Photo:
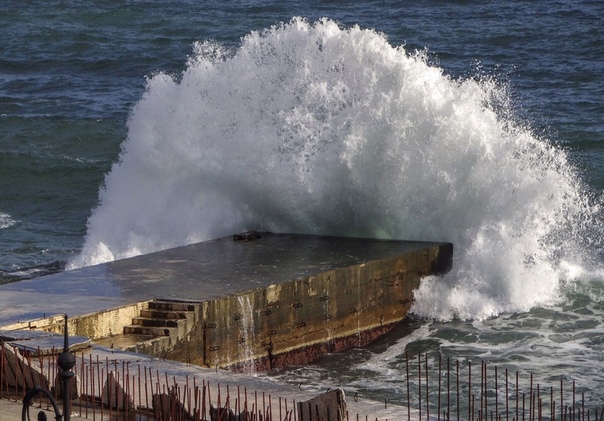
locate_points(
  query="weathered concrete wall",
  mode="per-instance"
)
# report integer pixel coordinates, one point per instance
(294, 322)
(94, 325)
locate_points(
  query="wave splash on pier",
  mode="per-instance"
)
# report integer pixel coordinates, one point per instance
(313, 128)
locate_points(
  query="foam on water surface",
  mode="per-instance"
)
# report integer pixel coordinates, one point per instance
(313, 128)
(6, 221)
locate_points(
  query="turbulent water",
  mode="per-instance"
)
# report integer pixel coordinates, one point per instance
(476, 125)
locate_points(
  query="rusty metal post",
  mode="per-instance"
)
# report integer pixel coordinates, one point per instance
(66, 362)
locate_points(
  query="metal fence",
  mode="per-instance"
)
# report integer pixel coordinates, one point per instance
(432, 389)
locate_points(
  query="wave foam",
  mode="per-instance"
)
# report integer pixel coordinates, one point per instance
(312, 128)
(6, 221)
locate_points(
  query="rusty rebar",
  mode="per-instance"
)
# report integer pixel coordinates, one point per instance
(457, 380)
(496, 395)
(507, 396)
(439, 383)
(448, 417)
(408, 392)
(427, 392)
(184, 399)
(419, 384)
(470, 409)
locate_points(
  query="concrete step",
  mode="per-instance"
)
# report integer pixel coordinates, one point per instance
(171, 305)
(148, 330)
(161, 318)
(164, 314)
(154, 322)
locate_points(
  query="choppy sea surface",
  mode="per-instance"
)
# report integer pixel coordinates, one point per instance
(132, 126)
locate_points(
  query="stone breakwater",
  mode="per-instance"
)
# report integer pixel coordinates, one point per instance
(248, 303)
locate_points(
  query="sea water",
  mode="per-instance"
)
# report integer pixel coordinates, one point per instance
(132, 127)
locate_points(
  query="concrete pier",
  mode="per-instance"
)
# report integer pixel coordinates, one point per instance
(246, 303)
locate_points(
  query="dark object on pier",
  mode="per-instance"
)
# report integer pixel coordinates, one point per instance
(247, 236)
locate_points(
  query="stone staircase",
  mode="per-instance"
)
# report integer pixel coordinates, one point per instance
(163, 318)
(158, 329)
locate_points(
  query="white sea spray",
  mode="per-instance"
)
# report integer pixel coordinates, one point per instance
(311, 128)
(6, 221)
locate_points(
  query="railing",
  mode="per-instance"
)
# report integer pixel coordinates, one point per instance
(124, 389)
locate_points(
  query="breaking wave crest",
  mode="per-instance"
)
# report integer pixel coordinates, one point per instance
(313, 128)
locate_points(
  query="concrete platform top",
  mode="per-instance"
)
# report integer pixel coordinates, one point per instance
(196, 272)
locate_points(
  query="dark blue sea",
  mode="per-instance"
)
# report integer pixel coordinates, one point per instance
(132, 126)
